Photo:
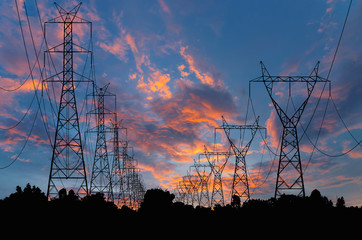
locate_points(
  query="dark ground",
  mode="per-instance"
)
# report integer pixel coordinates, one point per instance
(29, 209)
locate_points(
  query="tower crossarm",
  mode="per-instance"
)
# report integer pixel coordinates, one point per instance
(226, 127)
(311, 81)
(215, 166)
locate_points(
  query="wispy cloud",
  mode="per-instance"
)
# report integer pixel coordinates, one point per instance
(205, 77)
(164, 7)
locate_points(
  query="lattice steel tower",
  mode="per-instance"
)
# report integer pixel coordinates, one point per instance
(67, 164)
(240, 185)
(290, 172)
(204, 175)
(101, 179)
(217, 162)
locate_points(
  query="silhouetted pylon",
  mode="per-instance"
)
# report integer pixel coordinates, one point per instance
(67, 165)
(290, 173)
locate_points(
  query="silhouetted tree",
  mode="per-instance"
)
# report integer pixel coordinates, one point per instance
(340, 203)
(70, 196)
(62, 194)
(158, 204)
(258, 204)
(24, 202)
(235, 201)
(28, 195)
(315, 194)
(127, 211)
(98, 204)
(157, 200)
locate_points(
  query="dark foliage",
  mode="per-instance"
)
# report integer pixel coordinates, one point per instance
(159, 207)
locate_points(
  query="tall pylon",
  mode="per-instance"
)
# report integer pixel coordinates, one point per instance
(101, 179)
(67, 165)
(240, 185)
(204, 175)
(217, 161)
(290, 173)
(131, 186)
(116, 169)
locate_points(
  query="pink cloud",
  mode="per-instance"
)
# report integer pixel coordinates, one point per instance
(272, 128)
(164, 7)
(131, 42)
(290, 67)
(118, 48)
(204, 77)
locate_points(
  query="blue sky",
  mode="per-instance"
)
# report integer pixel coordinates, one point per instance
(177, 66)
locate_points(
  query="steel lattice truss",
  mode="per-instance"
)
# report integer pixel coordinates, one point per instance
(217, 161)
(67, 164)
(290, 172)
(101, 176)
(203, 173)
(130, 188)
(114, 171)
(240, 184)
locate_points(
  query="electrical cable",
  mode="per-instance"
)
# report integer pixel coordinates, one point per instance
(22, 118)
(35, 90)
(335, 106)
(264, 138)
(329, 72)
(339, 40)
(24, 145)
(250, 102)
(40, 71)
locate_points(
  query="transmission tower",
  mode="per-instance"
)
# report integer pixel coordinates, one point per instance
(180, 193)
(204, 175)
(101, 179)
(131, 191)
(240, 185)
(217, 161)
(290, 172)
(195, 186)
(189, 190)
(116, 164)
(67, 165)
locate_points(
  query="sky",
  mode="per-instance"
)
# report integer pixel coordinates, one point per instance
(176, 67)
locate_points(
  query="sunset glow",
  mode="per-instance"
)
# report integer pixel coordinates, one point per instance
(176, 67)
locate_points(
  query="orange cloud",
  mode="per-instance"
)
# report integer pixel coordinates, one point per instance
(156, 83)
(162, 171)
(176, 127)
(28, 86)
(181, 69)
(272, 129)
(205, 78)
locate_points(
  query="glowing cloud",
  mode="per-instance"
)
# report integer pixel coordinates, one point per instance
(156, 83)
(205, 78)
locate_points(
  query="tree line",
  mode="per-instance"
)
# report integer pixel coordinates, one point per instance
(31, 201)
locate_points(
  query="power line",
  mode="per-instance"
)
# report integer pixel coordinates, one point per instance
(319, 132)
(24, 145)
(339, 40)
(35, 96)
(330, 69)
(334, 104)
